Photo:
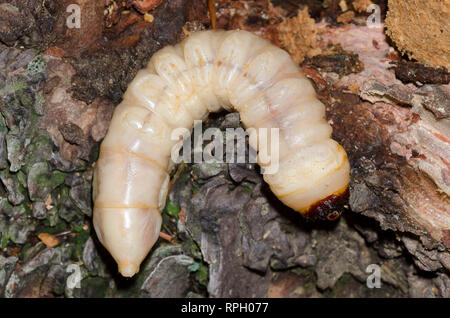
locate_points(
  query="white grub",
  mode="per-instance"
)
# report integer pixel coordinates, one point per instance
(208, 71)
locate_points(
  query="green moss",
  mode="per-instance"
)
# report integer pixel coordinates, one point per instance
(191, 248)
(248, 189)
(41, 181)
(3, 128)
(79, 242)
(67, 209)
(5, 206)
(55, 180)
(202, 274)
(195, 188)
(81, 195)
(172, 209)
(3, 154)
(22, 178)
(15, 149)
(13, 87)
(20, 229)
(59, 227)
(4, 239)
(52, 217)
(39, 103)
(16, 191)
(29, 251)
(26, 208)
(77, 228)
(39, 150)
(185, 175)
(25, 99)
(24, 250)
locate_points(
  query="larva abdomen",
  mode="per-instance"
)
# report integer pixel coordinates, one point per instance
(208, 71)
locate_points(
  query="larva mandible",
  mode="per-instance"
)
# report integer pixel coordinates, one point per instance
(208, 71)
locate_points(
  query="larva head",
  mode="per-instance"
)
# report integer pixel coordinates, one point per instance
(314, 181)
(333, 192)
(329, 208)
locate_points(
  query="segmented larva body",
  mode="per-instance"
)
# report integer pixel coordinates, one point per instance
(210, 70)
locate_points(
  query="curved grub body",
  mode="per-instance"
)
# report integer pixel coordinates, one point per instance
(206, 72)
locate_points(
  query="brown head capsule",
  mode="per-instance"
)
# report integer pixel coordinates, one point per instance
(329, 208)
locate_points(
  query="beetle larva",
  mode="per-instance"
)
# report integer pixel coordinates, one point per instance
(208, 71)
